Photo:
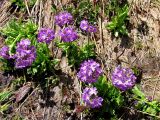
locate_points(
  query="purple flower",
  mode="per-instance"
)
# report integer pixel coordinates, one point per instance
(89, 71)
(63, 18)
(25, 54)
(46, 35)
(68, 34)
(84, 25)
(4, 52)
(123, 78)
(91, 29)
(90, 98)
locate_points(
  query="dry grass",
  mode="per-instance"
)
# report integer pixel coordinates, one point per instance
(141, 48)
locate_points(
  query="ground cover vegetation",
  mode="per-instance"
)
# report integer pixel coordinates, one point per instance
(59, 66)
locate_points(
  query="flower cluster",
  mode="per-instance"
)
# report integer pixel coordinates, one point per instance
(90, 98)
(68, 34)
(46, 35)
(123, 78)
(91, 29)
(63, 18)
(84, 25)
(89, 71)
(4, 52)
(25, 54)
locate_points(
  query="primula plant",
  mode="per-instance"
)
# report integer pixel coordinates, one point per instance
(68, 34)
(89, 71)
(25, 49)
(29, 55)
(85, 26)
(4, 52)
(90, 98)
(69, 39)
(113, 98)
(46, 35)
(123, 78)
(145, 104)
(63, 18)
(77, 54)
(118, 21)
(25, 54)
(84, 8)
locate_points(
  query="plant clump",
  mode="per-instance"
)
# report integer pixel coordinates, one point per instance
(25, 54)
(85, 26)
(90, 98)
(46, 35)
(89, 71)
(63, 18)
(4, 52)
(68, 34)
(123, 78)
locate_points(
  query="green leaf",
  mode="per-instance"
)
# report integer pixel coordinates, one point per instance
(138, 93)
(117, 23)
(151, 110)
(5, 95)
(83, 5)
(111, 95)
(4, 107)
(75, 53)
(54, 8)
(55, 61)
(101, 84)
